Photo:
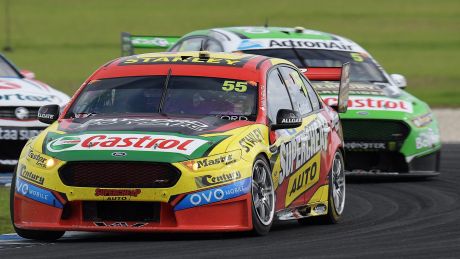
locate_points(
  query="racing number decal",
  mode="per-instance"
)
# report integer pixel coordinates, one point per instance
(357, 57)
(239, 86)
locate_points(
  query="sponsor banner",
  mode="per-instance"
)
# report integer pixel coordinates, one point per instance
(120, 224)
(332, 88)
(37, 194)
(303, 179)
(183, 123)
(117, 194)
(35, 178)
(39, 160)
(299, 43)
(254, 137)
(373, 103)
(29, 98)
(131, 142)
(152, 59)
(224, 159)
(427, 139)
(210, 180)
(209, 196)
(366, 145)
(304, 146)
(17, 133)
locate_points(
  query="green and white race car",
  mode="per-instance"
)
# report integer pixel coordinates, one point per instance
(387, 131)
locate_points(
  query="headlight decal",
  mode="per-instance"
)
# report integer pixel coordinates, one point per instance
(423, 120)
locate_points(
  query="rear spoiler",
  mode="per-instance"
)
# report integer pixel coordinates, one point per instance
(341, 74)
(131, 42)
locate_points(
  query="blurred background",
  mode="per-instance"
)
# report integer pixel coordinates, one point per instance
(63, 42)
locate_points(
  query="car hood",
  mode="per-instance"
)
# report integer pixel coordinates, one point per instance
(373, 101)
(27, 92)
(158, 139)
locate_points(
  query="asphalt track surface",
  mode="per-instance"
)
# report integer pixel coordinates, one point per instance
(402, 218)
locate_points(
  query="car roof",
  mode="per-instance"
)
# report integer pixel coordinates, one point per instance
(192, 63)
(259, 37)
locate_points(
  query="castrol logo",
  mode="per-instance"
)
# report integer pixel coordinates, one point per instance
(373, 103)
(131, 142)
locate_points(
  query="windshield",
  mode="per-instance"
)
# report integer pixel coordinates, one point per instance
(6, 70)
(184, 95)
(363, 69)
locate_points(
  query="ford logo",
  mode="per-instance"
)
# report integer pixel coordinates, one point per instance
(119, 154)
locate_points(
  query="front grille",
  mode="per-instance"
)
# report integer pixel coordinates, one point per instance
(384, 161)
(119, 174)
(8, 112)
(374, 130)
(121, 211)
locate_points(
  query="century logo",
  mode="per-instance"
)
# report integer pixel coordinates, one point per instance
(32, 177)
(208, 180)
(132, 142)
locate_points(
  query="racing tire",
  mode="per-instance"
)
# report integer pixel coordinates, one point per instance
(336, 196)
(41, 235)
(262, 196)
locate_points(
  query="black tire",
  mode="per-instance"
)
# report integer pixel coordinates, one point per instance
(264, 197)
(41, 235)
(334, 213)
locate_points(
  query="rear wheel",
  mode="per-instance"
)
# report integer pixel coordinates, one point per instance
(42, 235)
(263, 197)
(336, 196)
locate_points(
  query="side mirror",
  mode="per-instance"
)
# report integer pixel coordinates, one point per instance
(287, 119)
(48, 113)
(27, 74)
(399, 80)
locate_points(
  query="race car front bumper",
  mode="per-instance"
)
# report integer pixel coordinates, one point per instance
(394, 164)
(125, 216)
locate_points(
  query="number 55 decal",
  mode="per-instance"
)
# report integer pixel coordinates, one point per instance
(239, 86)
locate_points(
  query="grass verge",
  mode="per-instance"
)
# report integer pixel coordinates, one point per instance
(5, 223)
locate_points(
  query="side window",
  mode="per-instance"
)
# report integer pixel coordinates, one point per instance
(312, 94)
(213, 46)
(195, 43)
(191, 44)
(277, 95)
(296, 88)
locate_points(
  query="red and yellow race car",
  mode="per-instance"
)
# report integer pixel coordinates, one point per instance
(187, 141)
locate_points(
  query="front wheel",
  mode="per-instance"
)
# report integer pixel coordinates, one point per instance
(263, 197)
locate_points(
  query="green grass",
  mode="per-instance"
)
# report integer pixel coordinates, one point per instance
(65, 41)
(5, 223)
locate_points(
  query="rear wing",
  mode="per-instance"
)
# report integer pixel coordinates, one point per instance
(131, 42)
(341, 74)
